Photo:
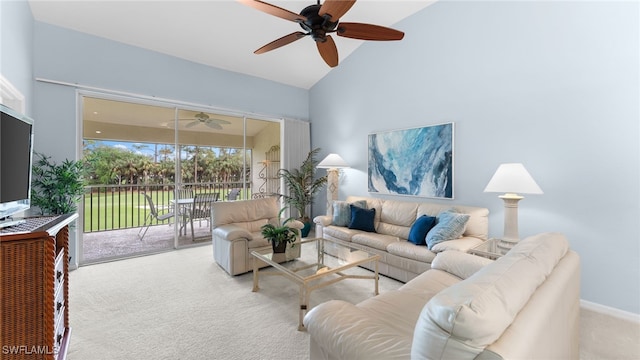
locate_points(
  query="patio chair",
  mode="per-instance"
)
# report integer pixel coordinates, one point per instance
(183, 211)
(201, 209)
(153, 214)
(233, 194)
(185, 193)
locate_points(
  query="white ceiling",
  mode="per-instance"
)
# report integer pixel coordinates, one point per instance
(222, 33)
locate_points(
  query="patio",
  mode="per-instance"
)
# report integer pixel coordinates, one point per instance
(113, 244)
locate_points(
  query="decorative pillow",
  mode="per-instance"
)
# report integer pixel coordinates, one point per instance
(450, 225)
(420, 228)
(342, 211)
(362, 219)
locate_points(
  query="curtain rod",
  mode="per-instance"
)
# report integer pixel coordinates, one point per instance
(165, 100)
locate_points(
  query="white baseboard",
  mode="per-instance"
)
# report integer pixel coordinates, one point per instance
(606, 310)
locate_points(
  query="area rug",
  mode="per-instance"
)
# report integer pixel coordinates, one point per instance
(182, 305)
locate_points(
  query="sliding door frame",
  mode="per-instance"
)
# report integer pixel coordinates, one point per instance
(177, 106)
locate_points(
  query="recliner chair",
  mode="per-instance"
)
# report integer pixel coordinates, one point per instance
(236, 231)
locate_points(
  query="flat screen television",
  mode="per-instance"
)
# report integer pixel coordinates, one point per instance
(16, 154)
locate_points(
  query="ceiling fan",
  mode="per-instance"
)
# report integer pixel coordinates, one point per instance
(319, 21)
(202, 118)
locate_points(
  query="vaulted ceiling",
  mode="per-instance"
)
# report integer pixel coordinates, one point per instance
(222, 33)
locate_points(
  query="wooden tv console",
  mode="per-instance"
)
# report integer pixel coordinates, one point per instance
(34, 289)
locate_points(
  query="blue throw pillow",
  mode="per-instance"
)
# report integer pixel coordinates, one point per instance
(420, 228)
(342, 212)
(450, 225)
(362, 219)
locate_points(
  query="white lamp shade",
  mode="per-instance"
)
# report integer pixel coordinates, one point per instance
(333, 161)
(512, 178)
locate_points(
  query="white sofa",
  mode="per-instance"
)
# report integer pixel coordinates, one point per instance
(236, 231)
(401, 259)
(525, 305)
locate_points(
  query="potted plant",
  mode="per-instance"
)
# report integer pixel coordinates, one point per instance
(56, 188)
(303, 186)
(280, 234)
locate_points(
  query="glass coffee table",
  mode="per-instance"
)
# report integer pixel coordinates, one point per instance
(316, 271)
(490, 249)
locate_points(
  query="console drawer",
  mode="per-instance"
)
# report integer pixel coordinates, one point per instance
(58, 271)
(58, 310)
(59, 332)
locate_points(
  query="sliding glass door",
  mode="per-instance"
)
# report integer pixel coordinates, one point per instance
(153, 168)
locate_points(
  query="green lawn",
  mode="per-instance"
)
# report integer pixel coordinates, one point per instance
(121, 210)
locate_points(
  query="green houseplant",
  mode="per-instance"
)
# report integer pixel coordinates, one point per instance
(279, 234)
(56, 188)
(303, 186)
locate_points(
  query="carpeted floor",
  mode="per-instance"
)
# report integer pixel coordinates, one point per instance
(181, 305)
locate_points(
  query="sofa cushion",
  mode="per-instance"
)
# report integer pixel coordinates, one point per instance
(339, 232)
(462, 320)
(342, 211)
(376, 241)
(396, 218)
(420, 228)
(478, 224)
(362, 219)
(450, 225)
(411, 251)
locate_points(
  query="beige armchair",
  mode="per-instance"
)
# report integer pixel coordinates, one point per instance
(236, 231)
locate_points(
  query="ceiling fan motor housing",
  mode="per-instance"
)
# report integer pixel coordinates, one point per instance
(318, 26)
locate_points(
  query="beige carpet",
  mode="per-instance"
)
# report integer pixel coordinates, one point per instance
(181, 305)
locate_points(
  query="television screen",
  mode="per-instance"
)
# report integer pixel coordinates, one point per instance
(16, 147)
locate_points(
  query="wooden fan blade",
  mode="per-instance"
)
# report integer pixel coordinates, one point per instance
(328, 51)
(192, 124)
(335, 8)
(287, 39)
(220, 121)
(274, 10)
(368, 32)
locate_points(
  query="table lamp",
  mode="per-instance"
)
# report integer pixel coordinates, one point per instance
(333, 162)
(511, 179)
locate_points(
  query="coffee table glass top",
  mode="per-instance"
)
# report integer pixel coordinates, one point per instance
(314, 261)
(314, 269)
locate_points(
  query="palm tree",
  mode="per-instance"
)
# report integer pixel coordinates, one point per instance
(303, 186)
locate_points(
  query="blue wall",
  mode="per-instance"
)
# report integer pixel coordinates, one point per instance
(554, 85)
(16, 54)
(72, 57)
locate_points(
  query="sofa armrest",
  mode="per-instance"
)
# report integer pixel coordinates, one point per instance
(296, 224)
(324, 220)
(231, 232)
(458, 263)
(462, 244)
(345, 331)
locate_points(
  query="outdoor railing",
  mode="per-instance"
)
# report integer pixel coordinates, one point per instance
(113, 207)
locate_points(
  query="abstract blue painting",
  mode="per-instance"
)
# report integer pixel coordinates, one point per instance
(415, 162)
